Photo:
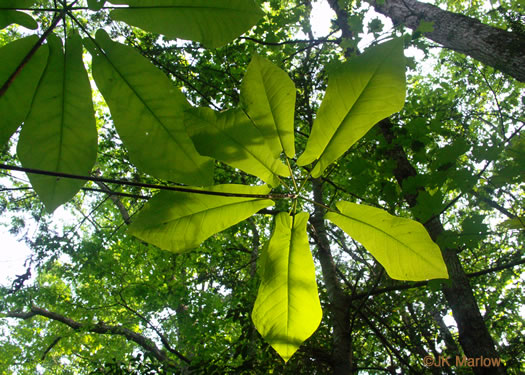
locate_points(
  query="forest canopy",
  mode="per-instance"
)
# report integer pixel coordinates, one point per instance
(215, 187)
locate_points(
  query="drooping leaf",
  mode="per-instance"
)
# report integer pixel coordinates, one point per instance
(8, 17)
(401, 245)
(268, 97)
(147, 110)
(213, 23)
(232, 138)
(16, 101)
(360, 92)
(180, 221)
(287, 310)
(60, 133)
(96, 4)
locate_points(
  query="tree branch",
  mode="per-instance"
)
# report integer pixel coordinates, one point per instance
(144, 185)
(100, 328)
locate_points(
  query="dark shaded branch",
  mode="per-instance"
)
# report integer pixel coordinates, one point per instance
(55, 341)
(405, 286)
(123, 210)
(493, 204)
(144, 185)
(100, 328)
(163, 338)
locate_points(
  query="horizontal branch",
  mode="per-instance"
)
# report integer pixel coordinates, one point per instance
(419, 284)
(100, 328)
(144, 185)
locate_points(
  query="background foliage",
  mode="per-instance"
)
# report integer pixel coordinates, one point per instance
(122, 306)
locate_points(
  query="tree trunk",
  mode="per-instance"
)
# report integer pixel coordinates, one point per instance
(474, 336)
(503, 50)
(339, 307)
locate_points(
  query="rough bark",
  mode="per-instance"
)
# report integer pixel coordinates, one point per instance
(474, 336)
(341, 357)
(495, 47)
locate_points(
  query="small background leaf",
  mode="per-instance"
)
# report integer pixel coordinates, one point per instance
(96, 4)
(213, 23)
(401, 245)
(287, 310)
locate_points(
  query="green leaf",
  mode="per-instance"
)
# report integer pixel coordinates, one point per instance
(287, 310)
(180, 221)
(515, 223)
(213, 23)
(360, 92)
(16, 101)
(148, 111)
(401, 245)
(232, 138)
(268, 97)
(60, 132)
(96, 4)
(425, 27)
(8, 17)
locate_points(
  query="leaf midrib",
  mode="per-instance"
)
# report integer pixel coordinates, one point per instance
(388, 235)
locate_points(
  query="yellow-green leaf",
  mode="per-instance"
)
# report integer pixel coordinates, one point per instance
(402, 246)
(360, 92)
(16, 101)
(232, 138)
(148, 111)
(180, 221)
(268, 97)
(287, 310)
(213, 23)
(60, 133)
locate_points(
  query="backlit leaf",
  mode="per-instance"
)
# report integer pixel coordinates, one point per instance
(147, 110)
(232, 138)
(287, 310)
(8, 17)
(16, 101)
(96, 4)
(59, 133)
(213, 23)
(360, 92)
(401, 245)
(180, 221)
(268, 97)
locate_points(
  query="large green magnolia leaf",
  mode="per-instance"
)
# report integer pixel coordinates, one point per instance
(96, 4)
(16, 101)
(360, 92)
(214, 23)
(180, 221)
(8, 17)
(287, 309)
(60, 132)
(148, 110)
(232, 138)
(401, 245)
(268, 97)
